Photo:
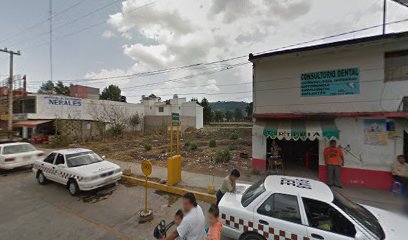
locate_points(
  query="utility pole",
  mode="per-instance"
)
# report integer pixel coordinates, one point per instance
(51, 65)
(384, 16)
(10, 87)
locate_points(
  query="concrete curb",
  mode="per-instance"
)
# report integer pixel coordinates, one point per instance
(170, 189)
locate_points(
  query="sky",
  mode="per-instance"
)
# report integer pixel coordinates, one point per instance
(102, 42)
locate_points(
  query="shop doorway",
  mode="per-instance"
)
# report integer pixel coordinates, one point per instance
(301, 158)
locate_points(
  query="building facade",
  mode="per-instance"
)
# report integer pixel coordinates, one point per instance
(157, 113)
(354, 91)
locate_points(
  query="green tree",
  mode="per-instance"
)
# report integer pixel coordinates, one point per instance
(238, 115)
(249, 109)
(219, 116)
(206, 110)
(229, 115)
(46, 87)
(112, 92)
(61, 89)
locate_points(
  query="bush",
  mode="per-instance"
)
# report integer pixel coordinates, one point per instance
(222, 156)
(212, 143)
(187, 144)
(234, 136)
(231, 147)
(193, 147)
(147, 147)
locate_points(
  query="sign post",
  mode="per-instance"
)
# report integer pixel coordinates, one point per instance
(174, 162)
(146, 214)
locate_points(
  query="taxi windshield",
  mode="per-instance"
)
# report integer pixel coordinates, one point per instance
(359, 214)
(253, 192)
(83, 158)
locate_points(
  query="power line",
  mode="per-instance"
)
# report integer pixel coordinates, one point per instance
(160, 71)
(31, 27)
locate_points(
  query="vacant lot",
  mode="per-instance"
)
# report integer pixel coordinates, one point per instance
(230, 148)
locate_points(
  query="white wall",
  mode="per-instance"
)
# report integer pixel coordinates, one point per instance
(277, 81)
(52, 107)
(372, 157)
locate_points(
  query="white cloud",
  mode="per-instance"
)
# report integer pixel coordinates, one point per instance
(212, 86)
(175, 33)
(108, 34)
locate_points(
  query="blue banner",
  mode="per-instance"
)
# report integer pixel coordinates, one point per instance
(330, 83)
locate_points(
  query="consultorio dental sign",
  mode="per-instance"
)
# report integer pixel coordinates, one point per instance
(64, 101)
(330, 83)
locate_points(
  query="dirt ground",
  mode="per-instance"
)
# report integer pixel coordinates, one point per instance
(131, 147)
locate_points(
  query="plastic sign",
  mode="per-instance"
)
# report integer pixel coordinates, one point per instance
(330, 83)
(146, 167)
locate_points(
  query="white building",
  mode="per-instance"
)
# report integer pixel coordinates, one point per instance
(157, 113)
(354, 91)
(36, 113)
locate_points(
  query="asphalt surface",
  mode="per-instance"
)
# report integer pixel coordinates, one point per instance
(33, 211)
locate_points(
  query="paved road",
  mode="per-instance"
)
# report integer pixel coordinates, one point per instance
(31, 211)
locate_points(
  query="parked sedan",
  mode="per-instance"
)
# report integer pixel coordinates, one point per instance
(19, 154)
(78, 169)
(282, 207)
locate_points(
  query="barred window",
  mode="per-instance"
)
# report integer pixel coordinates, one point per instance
(396, 66)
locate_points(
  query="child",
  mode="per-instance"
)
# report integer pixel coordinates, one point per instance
(214, 232)
(178, 217)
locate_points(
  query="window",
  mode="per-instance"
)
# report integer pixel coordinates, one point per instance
(281, 206)
(325, 217)
(22, 148)
(253, 192)
(396, 66)
(83, 158)
(359, 214)
(161, 109)
(50, 158)
(60, 160)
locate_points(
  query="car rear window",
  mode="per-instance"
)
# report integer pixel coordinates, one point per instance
(253, 192)
(13, 149)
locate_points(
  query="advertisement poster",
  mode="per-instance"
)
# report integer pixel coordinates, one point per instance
(330, 83)
(375, 132)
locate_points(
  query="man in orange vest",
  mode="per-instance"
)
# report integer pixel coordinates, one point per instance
(334, 158)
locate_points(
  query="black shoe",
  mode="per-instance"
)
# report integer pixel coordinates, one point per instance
(339, 186)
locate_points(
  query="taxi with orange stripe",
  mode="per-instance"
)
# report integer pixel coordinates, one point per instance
(283, 207)
(78, 169)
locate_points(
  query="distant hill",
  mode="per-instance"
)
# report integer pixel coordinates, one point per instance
(230, 105)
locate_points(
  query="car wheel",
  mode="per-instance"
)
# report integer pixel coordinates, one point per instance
(73, 188)
(251, 236)
(41, 178)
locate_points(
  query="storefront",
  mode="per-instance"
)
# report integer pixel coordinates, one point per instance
(354, 91)
(369, 142)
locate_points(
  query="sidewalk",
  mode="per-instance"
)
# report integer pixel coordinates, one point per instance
(200, 182)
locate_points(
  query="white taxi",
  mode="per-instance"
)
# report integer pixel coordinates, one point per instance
(18, 154)
(282, 207)
(79, 169)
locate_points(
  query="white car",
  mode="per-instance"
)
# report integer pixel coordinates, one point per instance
(19, 154)
(281, 207)
(79, 169)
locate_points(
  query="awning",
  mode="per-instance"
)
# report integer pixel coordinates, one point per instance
(300, 129)
(30, 123)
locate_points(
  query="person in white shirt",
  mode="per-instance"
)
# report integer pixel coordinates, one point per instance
(193, 224)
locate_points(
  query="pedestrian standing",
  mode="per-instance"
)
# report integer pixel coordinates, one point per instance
(192, 227)
(228, 185)
(334, 158)
(400, 171)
